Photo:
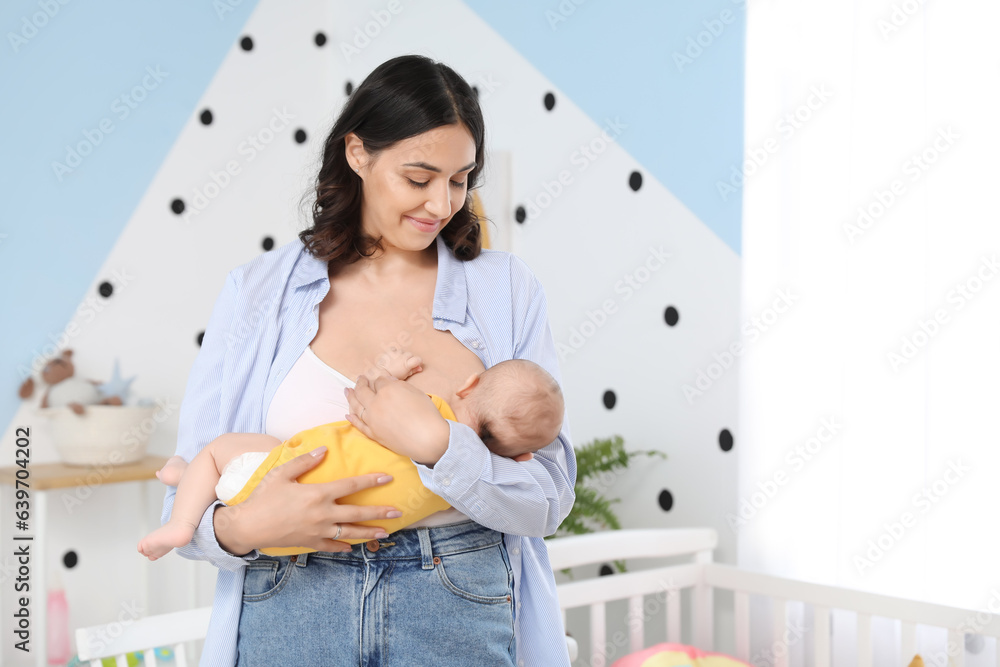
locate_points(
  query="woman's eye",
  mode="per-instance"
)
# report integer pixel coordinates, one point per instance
(423, 184)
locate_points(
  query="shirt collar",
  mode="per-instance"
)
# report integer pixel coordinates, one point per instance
(450, 295)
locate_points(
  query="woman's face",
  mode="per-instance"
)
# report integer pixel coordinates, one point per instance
(412, 190)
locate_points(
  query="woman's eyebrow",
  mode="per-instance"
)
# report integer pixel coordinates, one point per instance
(424, 165)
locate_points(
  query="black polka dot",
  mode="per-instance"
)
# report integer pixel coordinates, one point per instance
(300, 136)
(635, 181)
(348, 87)
(206, 117)
(268, 243)
(246, 44)
(475, 89)
(550, 101)
(725, 440)
(666, 500)
(70, 559)
(320, 39)
(670, 316)
(177, 206)
(519, 214)
(605, 570)
(201, 337)
(105, 289)
(609, 399)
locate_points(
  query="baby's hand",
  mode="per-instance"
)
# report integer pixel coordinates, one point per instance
(397, 362)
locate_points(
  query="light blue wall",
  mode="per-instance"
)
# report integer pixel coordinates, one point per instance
(630, 59)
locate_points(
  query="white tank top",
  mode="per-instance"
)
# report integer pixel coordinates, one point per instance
(312, 394)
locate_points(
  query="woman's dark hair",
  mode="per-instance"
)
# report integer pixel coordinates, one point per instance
(401, 98)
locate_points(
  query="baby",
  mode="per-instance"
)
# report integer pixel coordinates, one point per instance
(515, 406)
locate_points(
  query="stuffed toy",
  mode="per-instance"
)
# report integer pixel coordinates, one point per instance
(65, 390)
(677, 655)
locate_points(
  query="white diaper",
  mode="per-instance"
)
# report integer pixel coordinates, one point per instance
(237, 473)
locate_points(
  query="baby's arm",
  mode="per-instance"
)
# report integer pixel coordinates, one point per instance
(196, 489)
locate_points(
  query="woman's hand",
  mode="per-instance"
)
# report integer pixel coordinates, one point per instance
(400, 417)
(281, 512)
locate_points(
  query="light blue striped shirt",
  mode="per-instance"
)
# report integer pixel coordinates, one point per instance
(261, 323)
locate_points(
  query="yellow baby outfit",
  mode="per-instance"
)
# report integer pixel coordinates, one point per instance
(350, 453)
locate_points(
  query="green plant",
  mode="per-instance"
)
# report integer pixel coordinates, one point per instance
(592, 511)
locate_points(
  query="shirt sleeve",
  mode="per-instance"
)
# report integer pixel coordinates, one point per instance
(529, 498)
(200, 423)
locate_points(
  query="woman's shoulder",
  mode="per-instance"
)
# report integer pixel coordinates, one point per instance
(270, 268)
(493, 264)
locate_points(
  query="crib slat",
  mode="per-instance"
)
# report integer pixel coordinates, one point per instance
(907, 643)
(821, 621)
(95, 663)
(702, 610)
(674, 618)
(742, 608)
(121, 660)
(597, 632)
(179, 655)
(635, 623)
(864, 640)
(780, 624)
(956, 638)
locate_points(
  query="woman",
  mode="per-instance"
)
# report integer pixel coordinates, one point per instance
(393, 258)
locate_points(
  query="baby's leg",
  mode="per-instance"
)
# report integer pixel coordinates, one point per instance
(196, 490)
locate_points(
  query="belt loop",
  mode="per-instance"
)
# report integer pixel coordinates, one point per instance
(426, 555)
(302, 559)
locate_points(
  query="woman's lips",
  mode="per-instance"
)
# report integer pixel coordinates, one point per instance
(423, 224)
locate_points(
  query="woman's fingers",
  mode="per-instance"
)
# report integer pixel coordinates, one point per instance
(361, 426)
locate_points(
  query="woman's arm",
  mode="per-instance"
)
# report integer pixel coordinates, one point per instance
(529, 498)
(199, 424)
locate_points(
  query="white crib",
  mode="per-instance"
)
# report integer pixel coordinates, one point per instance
(702, 577)
(697, 573)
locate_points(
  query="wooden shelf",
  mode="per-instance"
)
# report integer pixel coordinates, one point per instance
(61, 475)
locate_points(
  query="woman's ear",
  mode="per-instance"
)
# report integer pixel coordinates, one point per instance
(468, 386)
(354, 151)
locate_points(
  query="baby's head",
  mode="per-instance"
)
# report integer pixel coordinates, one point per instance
(516, 407)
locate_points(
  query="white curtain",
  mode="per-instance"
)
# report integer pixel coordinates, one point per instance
(869, 440)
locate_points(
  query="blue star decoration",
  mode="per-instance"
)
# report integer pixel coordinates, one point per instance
(116, 386)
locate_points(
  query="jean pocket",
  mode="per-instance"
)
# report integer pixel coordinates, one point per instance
(265, 576)
(482, 575)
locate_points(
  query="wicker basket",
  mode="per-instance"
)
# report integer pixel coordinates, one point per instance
(104, 434)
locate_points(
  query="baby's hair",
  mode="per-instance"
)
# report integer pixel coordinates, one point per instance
(519, 398)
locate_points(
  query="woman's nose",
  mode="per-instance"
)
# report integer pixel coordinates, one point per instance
(439, 203)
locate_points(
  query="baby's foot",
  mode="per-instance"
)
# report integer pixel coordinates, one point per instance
(171, 472)
(165, 538)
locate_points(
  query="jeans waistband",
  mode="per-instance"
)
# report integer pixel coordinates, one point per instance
(422, 543)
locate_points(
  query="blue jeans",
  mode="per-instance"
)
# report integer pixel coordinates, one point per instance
(439, 595)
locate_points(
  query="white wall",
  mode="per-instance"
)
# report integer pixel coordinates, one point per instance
(902, 125)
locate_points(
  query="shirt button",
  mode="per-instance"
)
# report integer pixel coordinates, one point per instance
(475, 344)
(520, 663)
(445, 481)
(515, 550)
(519, 606)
